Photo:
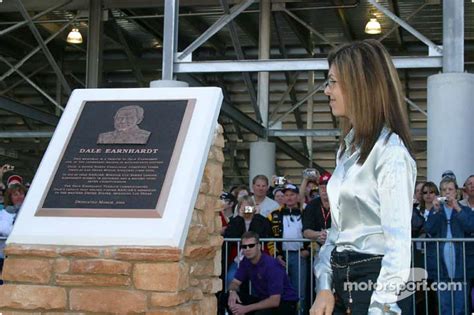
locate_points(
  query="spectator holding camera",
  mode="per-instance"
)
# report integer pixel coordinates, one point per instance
(448, 219)
(248, 219)
(308, 184)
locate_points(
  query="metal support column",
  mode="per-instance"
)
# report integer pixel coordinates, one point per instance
(453, 36)
(309, 116)
(94, 45)
(450, 109)
(450, 129)
(170, 38)
(262, 153)
(264, 53)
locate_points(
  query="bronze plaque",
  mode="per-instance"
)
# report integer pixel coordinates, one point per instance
(119, 160)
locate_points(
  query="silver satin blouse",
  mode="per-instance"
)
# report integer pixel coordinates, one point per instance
(371, 208)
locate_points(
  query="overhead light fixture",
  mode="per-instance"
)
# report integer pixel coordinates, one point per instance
(373, 26)
(74, 37)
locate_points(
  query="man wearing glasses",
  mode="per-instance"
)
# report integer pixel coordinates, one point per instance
(272, 292)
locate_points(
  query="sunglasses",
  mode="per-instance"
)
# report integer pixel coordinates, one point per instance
(428, 192)
(247, 246)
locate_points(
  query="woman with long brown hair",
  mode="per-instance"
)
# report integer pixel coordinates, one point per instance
(366, 258)
(14, 197)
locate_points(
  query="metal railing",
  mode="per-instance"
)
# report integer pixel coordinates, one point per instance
(425, 299)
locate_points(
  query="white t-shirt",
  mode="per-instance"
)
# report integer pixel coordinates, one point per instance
(267, 206)
(292, 228)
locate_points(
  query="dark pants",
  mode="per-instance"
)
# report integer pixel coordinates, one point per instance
(285, 307)
(1, 269)
(365, 272)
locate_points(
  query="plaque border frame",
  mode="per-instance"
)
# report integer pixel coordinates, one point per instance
(157, 212)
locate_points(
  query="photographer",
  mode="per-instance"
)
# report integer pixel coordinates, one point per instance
(248, 219)
(448, 219)
(308, 184)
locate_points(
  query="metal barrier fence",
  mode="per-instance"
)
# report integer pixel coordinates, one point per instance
(427, 294)
(426, 298)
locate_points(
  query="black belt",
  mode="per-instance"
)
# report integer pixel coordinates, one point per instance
(350, 258)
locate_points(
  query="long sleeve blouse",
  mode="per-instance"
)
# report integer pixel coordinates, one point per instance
(371, 209)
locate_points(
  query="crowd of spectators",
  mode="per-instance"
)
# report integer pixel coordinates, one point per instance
(284, 210)
(281, 209)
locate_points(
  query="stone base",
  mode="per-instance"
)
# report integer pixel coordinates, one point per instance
(116, 280)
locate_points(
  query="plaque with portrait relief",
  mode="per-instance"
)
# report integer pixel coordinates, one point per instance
(124, 166)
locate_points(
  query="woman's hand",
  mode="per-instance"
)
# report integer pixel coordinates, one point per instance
(453, 203)
(324, 304)
(436, 205)
(257, 209)
(322, 236)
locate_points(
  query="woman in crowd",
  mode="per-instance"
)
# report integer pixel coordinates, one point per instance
(430, 192)
(13, 199)
(239, 192)
(446, 260)
(279, 196)
(248, 219)
(371, 189)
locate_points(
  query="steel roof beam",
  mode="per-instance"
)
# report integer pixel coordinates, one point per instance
(28, 111)
(323, 132)
(289, 83)
(406, 26)
(397, 26)
(34, 51)
(217, 26)
(19, 24)
(240, 56)
(130, 55)
(43, 46)
(26, 134)
(34, 85)
(348, 32)
(309, 27)
(305, 64)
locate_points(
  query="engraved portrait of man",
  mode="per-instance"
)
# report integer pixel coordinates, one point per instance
(126, 121)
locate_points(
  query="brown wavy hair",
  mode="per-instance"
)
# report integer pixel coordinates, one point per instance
(7, 199)
(431, 187)
(372, 93)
